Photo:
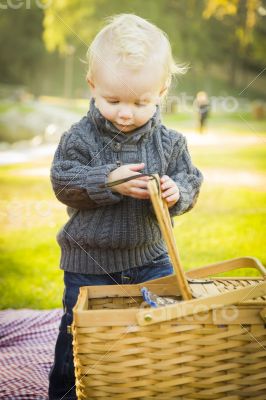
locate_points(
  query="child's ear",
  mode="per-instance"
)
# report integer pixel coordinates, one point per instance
(90, 83)
(163, 91)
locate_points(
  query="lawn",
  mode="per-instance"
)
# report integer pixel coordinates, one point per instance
(236, 123)
(228, 221)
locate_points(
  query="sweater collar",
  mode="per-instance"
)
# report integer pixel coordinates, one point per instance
(107, 129)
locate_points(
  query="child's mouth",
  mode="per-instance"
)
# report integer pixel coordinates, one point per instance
(119, 126)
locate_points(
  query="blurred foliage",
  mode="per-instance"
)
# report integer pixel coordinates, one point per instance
(24, 57)
(229, 33)
(21, 44)
(191, 25)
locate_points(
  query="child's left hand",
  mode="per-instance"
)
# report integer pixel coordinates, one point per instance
(170, 190)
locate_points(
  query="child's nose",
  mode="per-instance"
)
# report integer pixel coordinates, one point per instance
(125, 113)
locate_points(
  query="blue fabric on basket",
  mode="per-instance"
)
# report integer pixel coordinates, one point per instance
(154, 300)
(147, 297)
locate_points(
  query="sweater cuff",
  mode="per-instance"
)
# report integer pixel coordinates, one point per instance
(101, 196)
(183, 204)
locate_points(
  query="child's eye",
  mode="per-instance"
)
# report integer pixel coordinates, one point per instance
(113, 101)
(140, 104)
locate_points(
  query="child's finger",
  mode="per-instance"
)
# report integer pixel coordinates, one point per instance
(136, 167)
(168, 184)
(138, 193)
(138, 183)
(144, 178)
(169, 192)
(164, 178)
(172, 198)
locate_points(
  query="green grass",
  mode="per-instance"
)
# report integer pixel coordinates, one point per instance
(29, 272)
(29, 255)
(228, 221)
(251, 159)
(225, 123)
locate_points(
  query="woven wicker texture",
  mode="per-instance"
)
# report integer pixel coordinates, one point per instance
(170, 360)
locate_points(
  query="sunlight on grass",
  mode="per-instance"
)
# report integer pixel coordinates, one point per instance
(246, 158)
(227, 222)
(29, 256)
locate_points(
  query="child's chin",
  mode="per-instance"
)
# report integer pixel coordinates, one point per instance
(125, 128)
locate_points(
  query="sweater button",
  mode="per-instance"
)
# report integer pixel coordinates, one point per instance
(116, 146)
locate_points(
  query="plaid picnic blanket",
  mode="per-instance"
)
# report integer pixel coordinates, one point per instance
(27, 340)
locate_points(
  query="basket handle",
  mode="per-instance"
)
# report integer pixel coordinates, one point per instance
(164, 220)
(228, 265)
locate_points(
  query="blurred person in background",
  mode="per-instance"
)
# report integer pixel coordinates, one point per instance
(203, 108)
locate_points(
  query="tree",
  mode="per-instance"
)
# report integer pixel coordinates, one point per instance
(243, 21)
(21, 44)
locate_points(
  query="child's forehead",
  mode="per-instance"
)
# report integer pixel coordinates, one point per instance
(129, 95)
(126, 82)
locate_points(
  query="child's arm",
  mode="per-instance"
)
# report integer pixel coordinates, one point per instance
(76, 183)
(187, 178)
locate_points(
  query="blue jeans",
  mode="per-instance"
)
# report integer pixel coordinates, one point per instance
(61, 377)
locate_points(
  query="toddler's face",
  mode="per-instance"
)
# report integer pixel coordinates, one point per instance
(125, 97)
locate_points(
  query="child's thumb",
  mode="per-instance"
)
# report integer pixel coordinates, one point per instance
(137, 167)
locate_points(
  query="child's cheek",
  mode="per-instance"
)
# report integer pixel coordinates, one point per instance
(109, 114)
(148, 112)
(106, 110)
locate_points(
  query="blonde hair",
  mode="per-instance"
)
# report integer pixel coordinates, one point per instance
(134, 41)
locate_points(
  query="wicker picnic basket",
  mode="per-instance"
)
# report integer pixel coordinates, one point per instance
(211, 344)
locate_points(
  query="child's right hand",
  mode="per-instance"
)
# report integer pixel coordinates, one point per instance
(136, 188)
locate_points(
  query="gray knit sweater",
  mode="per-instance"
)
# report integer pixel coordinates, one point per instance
(108, 232)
